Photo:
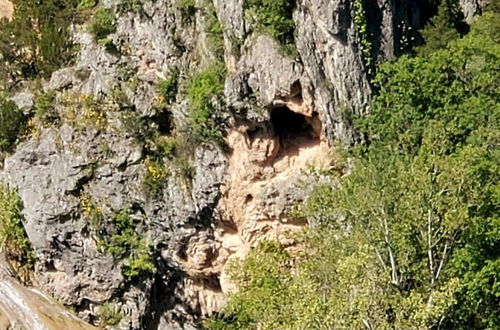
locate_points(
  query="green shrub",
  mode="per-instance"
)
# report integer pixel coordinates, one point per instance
(273, 17)
(206, 84)
(204, 92)
(177, 152)
(168, 87)
(12, 233)
(87, 4)
(109, 314)
(108, 45)
(38, 40)
(119, 96)
(139, 262)
(166, 146)
(136, 126)
(121, 239)
(494, 6)
(187, 9)
(44, 108)
(263, 279)
(102, 24)
(11, 122)
(457, 86)
(155, 176)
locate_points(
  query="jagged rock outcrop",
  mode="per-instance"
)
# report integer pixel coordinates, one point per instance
(279, 116)
(471, 8)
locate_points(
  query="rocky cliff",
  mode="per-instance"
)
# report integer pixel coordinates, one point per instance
(191, 209)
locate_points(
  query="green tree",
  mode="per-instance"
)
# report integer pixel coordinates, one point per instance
(11, 122)
(37, 41)
(13, 238)
(409, 239)
(273, 17)
(446, 26)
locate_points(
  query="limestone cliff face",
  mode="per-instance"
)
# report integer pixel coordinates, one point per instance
(279, 116)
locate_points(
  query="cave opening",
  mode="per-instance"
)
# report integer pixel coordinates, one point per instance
(293, 129)
(164, 122)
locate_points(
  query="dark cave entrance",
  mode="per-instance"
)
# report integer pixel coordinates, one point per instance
(288, 123)
(164, 122)
(294, 130)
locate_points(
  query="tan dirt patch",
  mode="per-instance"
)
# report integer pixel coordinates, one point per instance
(6, 9)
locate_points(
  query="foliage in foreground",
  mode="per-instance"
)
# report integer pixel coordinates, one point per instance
(410, 239)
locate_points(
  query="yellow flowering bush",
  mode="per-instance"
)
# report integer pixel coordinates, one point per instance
(155, 175)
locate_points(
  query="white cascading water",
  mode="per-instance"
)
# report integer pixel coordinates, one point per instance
(28, 308)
